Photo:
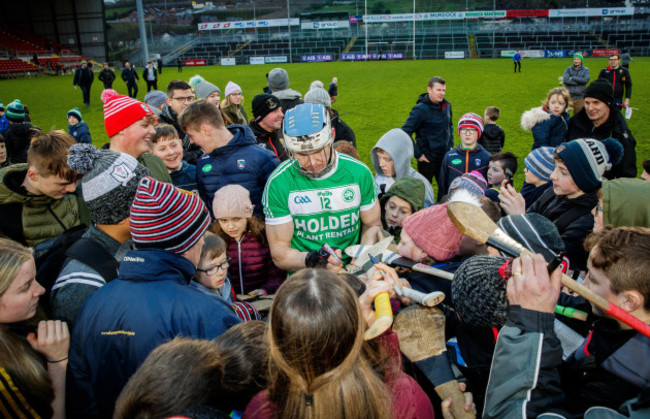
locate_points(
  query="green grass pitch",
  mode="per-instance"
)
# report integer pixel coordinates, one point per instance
(373, 96)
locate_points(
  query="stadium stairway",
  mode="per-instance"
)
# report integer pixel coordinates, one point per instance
(471, 40)
(350, 44)
(239, 48)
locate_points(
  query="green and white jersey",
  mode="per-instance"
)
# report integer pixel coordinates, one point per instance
(325, 210)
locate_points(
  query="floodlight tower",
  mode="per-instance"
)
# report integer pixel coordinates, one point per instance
(143, 33)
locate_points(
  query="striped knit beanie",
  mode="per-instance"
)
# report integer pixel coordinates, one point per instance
(76, 112)
(535, 232)
(121, 111)
(109, 183)
(163, 217)
(432, 231)
(471, 120)
(15, 111)
(540, 162)
(472, 181)
(587, 160)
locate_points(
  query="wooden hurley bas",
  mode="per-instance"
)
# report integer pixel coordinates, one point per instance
(474, 223)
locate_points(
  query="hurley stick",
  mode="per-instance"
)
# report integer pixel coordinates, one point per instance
(392, 258)
(474, 223)
(421, 334)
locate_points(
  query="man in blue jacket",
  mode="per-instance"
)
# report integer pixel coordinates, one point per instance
(430, 120)
(232, 155)
(150, 302)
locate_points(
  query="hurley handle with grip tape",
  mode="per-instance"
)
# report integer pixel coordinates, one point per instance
(602, 303)
(383, 317)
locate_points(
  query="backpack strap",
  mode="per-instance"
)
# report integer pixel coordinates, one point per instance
(97, 257)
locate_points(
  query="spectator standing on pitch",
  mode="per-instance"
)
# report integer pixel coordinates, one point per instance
(316, 197)
(19, 133)
(179, 97)
(550, 121)
(494, 136)
(108, 188)
(267, 124)
(625, 59)
(150, 302)
(78, 128)
(150, 76)
(342, 131)
(160, 65)
(279, 84)
(129, 75)
(106, 76)
(619, 78)
(517, 60)
(179, 64)
(333, 89)
(232, 155)
(430, 120)
(601, 119)
(129, 126)
(83, 77)
(575, 79)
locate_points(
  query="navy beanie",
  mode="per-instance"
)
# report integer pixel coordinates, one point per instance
(587, 160)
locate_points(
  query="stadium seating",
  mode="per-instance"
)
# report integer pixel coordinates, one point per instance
(15, 66)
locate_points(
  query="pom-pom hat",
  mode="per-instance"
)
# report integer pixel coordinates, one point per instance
(15, 111)
(471, 120)
(472, 181)
(232, 201)
(76, 113)
(121, 111)
(109, 183)
(202, 87)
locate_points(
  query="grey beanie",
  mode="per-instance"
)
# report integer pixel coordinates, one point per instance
(278, 79)
(202, 87)
(320, 96)
(155, 98)
(109, 183)
(478, 292)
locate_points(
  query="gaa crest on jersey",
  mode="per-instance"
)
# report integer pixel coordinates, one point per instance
(477, 162)
(241, 164)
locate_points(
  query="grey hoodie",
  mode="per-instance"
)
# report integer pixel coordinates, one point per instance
(399, 146)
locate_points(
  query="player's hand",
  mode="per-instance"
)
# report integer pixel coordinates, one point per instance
(423, 158)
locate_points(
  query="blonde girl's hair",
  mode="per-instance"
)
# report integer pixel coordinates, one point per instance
(24, 365)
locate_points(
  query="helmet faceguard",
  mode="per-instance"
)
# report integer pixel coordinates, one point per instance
(307, 129)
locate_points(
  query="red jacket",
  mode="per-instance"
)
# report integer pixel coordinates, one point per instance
(252, 266)
(409, 400)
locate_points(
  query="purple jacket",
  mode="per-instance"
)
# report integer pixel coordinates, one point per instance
(252, 267)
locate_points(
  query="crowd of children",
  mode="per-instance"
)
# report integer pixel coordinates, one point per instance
(154, 309)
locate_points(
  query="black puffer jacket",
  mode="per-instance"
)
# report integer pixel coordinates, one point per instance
(573, 219)
(343, 130)
(17, 140)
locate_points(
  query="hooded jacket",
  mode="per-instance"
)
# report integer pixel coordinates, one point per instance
(289, 98)
(580, 126)
(80, 132)
(269, 140)
(575, 79)
(459, 161)
(548, 129)
(626, 202)
(31, 219)
(433, 128)
(400, 148)
(122, 322)
(573, 220)
(18, 137)
(240, 162)
(185, 177)
(409, 189)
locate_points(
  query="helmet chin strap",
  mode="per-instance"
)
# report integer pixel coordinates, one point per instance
(326, 169)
